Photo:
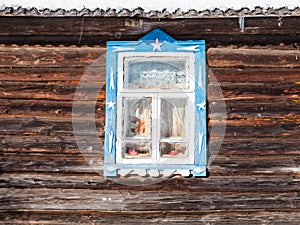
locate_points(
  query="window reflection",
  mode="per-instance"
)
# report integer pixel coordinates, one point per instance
(173, 117)
(137, 117)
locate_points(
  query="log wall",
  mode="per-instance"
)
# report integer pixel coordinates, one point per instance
(86, 30)
(254, 179)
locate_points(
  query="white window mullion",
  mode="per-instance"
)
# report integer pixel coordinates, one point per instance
(157, 126)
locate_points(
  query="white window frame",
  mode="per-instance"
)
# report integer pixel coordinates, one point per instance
(156, 94)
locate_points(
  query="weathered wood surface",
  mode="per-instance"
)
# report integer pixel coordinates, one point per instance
(97, 30)
(259, 183)
(44, 178)
(122, 200)
(224, 57)
(212, 217)
(287, 165)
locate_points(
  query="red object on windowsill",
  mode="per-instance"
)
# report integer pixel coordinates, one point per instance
(174, 152)
(132, 152)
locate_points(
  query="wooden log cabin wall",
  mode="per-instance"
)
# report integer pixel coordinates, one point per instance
(255, 177)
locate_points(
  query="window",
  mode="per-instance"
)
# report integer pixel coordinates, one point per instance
(155, 107)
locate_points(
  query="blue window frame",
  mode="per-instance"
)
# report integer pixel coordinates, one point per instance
(155, 107)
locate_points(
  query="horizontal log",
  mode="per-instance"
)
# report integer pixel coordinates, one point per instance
(65, 90)
(49, 126)
(97, 30)
(260, 75)
(259, 183)
(68, 57)
(60, 91)
(69, 145)
(224, 57)
(255, 75)
(73, 199)
(229, 95)
(212, 40)
(255, 108)
(258, 128)
(52, 56)
(287, 146)
(50, 108)
(257, 165)
(255, 217)
(255, 88)
(50, 144)
(243, 127)
(98, 25)
(236, 129)
(52, 164)
(69, 74)
(235, 165)
(263, 108)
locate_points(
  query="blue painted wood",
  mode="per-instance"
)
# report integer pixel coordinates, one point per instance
(159, 34)
(156, 41)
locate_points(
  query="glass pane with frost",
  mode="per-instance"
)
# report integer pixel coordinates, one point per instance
(155, 72)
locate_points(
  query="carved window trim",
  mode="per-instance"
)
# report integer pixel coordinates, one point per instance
(156, 44)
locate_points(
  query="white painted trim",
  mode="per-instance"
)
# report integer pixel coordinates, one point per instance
(200, 83)
(190, 68)
(111, 79)
(156, 95)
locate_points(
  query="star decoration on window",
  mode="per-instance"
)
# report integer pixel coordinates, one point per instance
(111, 105)
(201, 105)
(156, 45)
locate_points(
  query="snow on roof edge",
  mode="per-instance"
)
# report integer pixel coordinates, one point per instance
(139, 12)
(146, 5)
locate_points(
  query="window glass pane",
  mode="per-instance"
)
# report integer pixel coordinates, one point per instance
(155, 72)
(137, 117)
(136, 150)
(173, 118)
(169, 149)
